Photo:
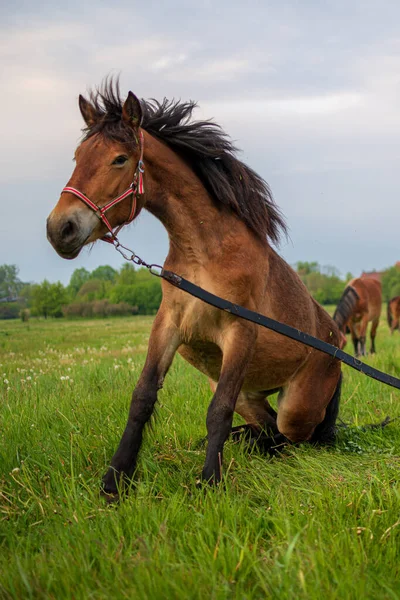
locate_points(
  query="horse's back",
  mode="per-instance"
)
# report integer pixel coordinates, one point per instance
(369, 291)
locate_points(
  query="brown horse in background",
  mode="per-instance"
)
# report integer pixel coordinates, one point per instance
(361, 302)
(393, 313)
(221, 220)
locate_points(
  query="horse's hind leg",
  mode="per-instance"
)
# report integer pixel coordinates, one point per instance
(374, 327)
(259, 415)
(325, 432)
(308, 406)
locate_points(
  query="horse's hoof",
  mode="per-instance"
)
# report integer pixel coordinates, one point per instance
(109, 490)
(109, 497)
(247, 431)
(112, 486)
(206, 480)
(201, 484)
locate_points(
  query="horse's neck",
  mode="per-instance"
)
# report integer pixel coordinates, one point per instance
(174, 194)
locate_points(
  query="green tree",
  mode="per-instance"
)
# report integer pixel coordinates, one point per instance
(305, 268)
(26, 293)
(326, 287)
(93, 289)
(391, 283)
(127, 275)
(78, 278)
(148, 296)
(123, 293)
(10, 284)
(47, 299)
(104, 273)
(137, 288)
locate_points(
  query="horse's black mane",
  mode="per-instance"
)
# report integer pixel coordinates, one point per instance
(203, 144)
(345, 307)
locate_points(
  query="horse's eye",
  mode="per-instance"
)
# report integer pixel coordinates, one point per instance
(120, 160)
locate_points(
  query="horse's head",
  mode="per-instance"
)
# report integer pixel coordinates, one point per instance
(108, 162)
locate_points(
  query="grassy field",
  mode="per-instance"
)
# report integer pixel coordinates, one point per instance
(309, 524)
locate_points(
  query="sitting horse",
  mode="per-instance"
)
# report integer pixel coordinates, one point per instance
(393, 313)
(361, 302)
(221, 220)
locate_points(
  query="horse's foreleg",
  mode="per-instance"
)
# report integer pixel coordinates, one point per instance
(374, 327)
(238, 348)
(163, 343)
(363, 334)
(354, 338)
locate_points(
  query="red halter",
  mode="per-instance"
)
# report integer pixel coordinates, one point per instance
(136, 189)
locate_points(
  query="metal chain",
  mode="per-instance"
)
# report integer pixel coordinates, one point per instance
(130, 255)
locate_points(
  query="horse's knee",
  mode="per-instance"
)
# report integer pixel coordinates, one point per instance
(298, 425)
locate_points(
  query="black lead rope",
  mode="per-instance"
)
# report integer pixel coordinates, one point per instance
(281, 328)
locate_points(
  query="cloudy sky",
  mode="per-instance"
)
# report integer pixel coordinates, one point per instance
(309, 90)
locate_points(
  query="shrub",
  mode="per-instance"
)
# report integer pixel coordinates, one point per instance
(24, 314)
(98, 308)
(9, 310)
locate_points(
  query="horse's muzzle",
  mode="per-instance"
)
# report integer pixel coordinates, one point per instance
(67, 235)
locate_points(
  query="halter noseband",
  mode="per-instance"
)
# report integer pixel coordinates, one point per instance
(136, 189)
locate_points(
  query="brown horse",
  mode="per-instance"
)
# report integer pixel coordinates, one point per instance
(220, 218)
(393, 313)
(361, 302)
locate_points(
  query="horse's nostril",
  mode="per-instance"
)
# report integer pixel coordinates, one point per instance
(68, 230)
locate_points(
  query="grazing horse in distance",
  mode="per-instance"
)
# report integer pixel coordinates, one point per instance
(393, 313)
(361, 302)
(221, 222)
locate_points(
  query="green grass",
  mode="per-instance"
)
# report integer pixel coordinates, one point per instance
(310, 524)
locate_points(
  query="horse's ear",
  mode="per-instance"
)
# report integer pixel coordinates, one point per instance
(132, 111)
(88, 111)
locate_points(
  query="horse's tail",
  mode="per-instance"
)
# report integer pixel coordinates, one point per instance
(345, 307)
(389, 313)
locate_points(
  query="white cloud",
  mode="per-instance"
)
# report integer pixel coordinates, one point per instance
(226, 69)
(169, 61)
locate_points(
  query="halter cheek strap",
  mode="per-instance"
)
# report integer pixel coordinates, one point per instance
(136, 189)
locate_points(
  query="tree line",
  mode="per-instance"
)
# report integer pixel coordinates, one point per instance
(106, 291)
